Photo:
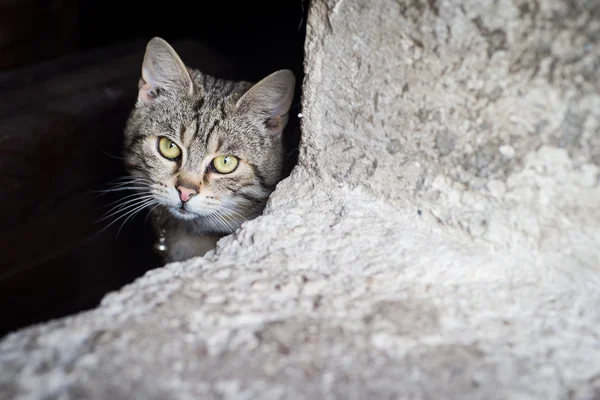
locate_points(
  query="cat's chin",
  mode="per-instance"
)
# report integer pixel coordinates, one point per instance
(183, 214)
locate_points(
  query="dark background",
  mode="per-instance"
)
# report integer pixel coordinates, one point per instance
(68, 77)
(261, 36)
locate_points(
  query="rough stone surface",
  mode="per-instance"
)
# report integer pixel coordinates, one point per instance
(440, 237)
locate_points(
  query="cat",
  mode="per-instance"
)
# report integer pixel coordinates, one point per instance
(203, 153)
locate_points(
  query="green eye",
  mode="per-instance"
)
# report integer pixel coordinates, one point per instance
(225, 164)
(168, 148)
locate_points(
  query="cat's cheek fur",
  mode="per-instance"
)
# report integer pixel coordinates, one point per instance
(171, 197)
(183, 215)
(200, 206)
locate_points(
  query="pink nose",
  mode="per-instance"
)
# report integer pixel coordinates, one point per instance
(185, 194)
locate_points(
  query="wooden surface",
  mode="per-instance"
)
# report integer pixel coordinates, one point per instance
(61, 126)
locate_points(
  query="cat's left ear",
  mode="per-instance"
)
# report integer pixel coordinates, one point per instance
(162, 70)
(271, 99)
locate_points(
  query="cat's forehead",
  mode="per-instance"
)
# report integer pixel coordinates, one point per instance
(212, 93)
(212, 98)
(175, 115)
(213, 108)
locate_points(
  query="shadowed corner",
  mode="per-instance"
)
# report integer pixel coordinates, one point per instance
(293, 132)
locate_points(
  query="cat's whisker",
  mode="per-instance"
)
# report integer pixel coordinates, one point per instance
(132, 178)
(133, 214)
(129, 214)
(218, 222)
(113, 156)
(234, 212)
(125, 206)
(227, 224)
(121, 187)
(150, 212)
(130, 188)
(133, 210)
(131, 182)
(231, 223)
(127, 197)
(212, 219)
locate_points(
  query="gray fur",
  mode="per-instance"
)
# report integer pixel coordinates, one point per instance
(205, 116)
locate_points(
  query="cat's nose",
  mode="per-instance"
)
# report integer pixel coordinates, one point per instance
(185, 194)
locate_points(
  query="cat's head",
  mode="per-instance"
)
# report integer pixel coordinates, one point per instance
(204, 148)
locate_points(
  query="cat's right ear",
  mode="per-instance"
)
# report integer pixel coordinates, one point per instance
(162, 70)
(271, 99)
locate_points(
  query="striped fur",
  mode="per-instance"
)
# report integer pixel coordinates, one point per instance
(205, 117)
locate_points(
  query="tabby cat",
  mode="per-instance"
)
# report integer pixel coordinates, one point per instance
(203, 153)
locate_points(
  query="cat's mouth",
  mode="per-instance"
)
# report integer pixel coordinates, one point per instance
(183, 212)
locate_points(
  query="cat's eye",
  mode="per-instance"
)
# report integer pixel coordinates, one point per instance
(168, 148)
(225, 164)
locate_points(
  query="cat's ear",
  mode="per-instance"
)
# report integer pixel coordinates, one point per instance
(270, 99)
(162, 70)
